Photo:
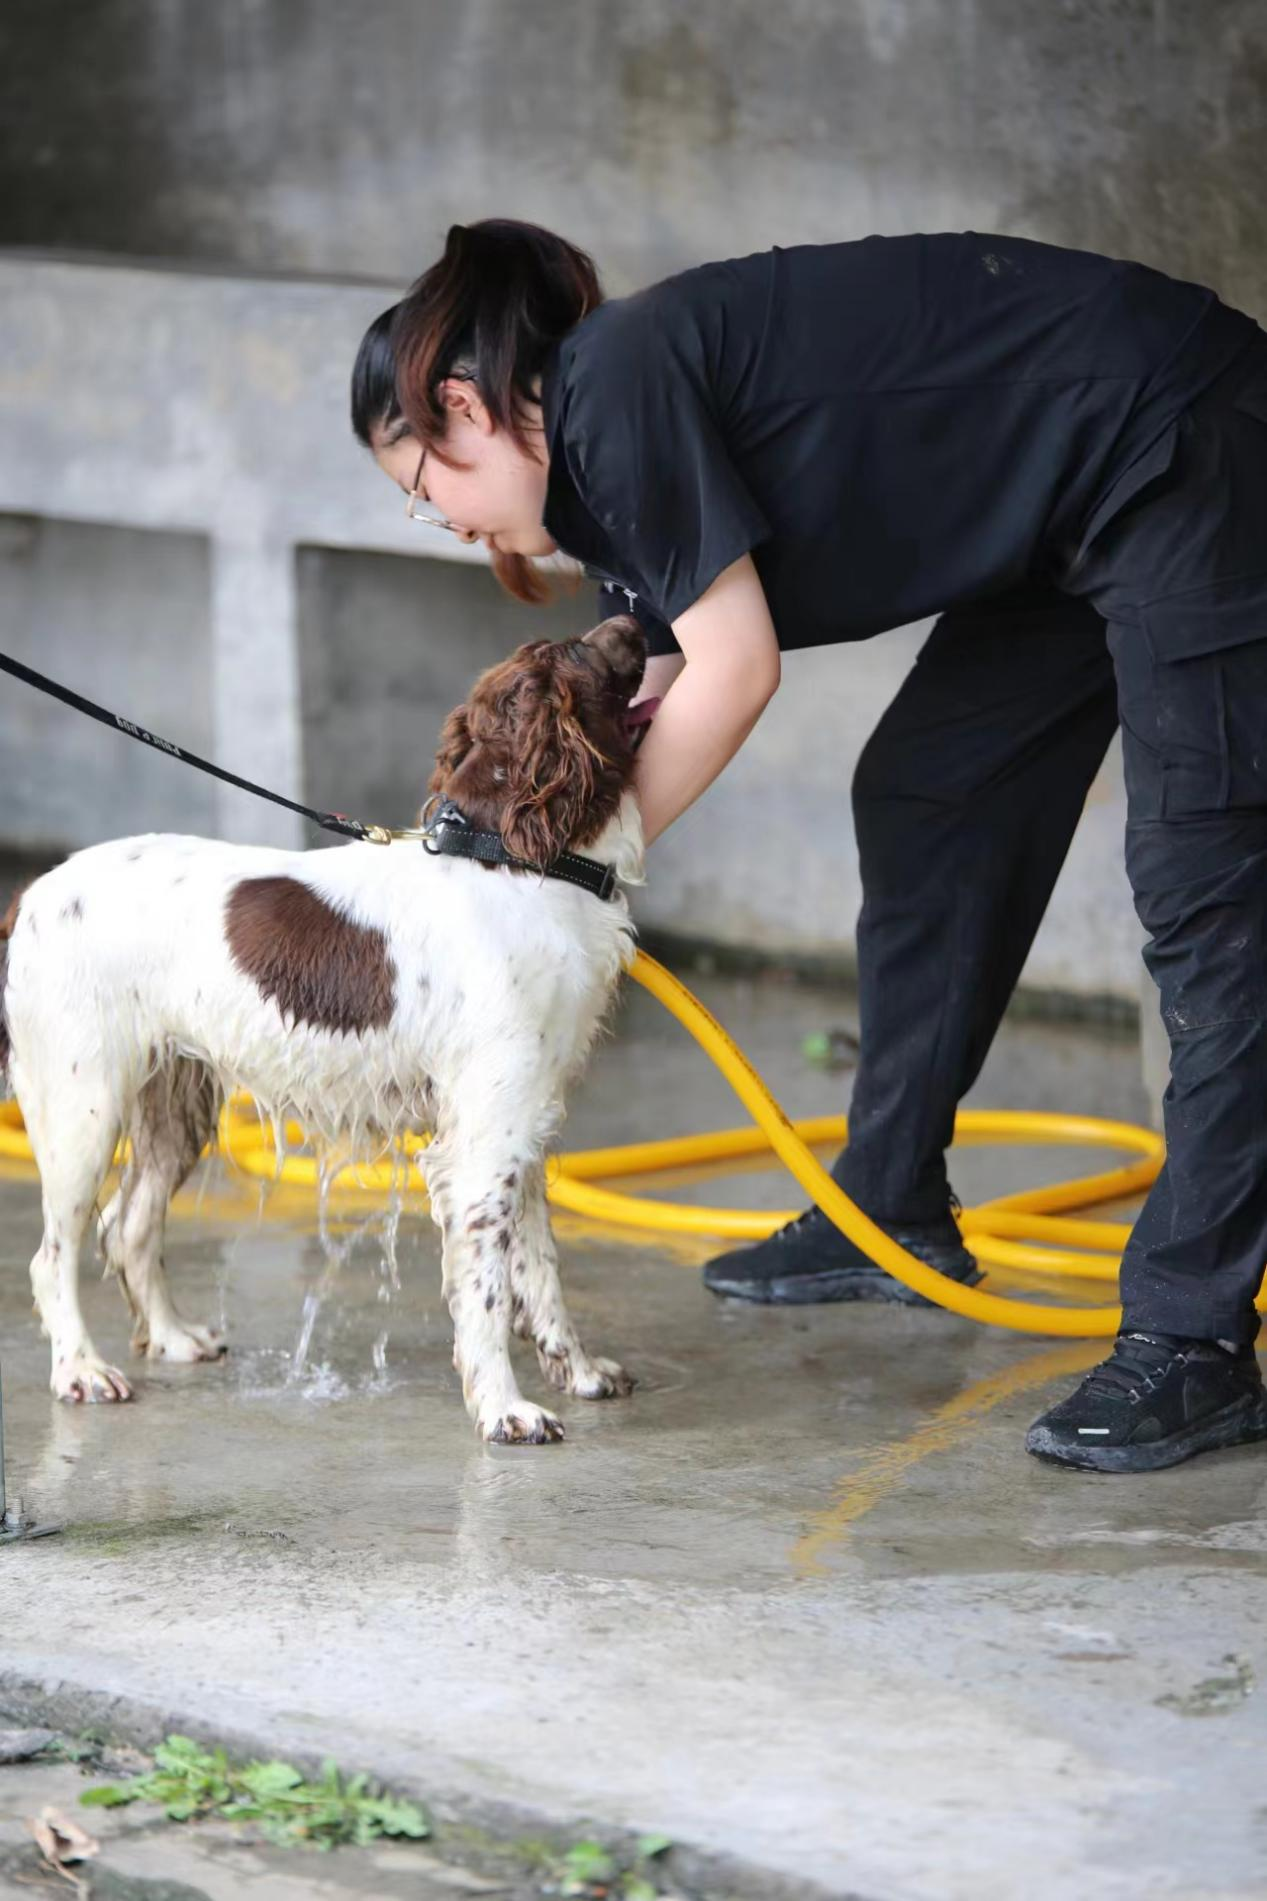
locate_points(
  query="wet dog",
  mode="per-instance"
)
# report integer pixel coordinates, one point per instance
(364, 991)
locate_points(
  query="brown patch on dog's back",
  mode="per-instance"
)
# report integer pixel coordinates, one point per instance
(316, 965)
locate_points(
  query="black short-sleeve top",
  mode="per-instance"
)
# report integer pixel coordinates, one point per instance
(891, 427)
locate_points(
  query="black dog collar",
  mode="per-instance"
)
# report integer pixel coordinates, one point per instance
(447, 832)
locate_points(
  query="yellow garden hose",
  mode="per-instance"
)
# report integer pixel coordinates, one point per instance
(1029, 1232)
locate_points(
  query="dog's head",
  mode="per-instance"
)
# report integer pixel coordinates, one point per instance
(543, 748)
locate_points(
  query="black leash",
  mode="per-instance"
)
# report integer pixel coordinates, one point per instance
(329, 821)
(445, 830)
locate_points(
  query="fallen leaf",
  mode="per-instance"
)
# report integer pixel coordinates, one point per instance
(62, 1841)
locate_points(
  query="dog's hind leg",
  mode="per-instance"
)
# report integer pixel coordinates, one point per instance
(540, 1313)
(73, 1135)
(172, 1121)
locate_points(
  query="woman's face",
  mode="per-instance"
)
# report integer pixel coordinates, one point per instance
(492, 491)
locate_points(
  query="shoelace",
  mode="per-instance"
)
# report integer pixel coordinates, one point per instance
(790, 1228)
(1137, 1362)
(815, 1214)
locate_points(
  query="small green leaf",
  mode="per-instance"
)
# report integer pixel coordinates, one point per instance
(637, 1888)
(108, 1795)
(181, 1754)
(268, 1779)
(395, 1817)
(588, 1861)
(649, 1846)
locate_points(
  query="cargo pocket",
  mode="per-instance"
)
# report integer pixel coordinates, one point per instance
(1228, 612)
(1218, 522)
(1194, 730)
(1174, 730)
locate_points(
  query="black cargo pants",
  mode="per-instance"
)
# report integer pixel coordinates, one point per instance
(965, 801)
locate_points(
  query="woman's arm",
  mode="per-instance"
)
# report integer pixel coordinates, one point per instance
(730, 676)
(661, 671)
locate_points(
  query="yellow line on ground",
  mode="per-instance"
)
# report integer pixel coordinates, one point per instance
(882, 1468)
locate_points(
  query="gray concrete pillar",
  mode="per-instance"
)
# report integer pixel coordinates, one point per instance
(255, 673)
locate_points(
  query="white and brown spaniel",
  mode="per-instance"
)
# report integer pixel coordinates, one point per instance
(363, 990)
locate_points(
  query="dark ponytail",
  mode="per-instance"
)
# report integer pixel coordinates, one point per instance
(375, 404)
(501, 296)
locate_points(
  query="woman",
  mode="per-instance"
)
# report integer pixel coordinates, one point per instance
(1065, 458)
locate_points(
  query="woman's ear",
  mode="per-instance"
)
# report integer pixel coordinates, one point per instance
(462, 401)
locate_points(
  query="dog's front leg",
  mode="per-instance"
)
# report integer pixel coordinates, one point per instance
(540, 1313)
(480, 1235)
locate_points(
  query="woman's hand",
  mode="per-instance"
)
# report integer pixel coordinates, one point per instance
(730, 675)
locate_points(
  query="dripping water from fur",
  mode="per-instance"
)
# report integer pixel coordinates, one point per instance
(339, 1236)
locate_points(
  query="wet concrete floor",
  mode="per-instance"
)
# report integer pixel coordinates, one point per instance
(802, 1604)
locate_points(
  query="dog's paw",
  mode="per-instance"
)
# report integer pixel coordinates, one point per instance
(83, 1377)
(185, 1341)
(526, 1425)
(583, 1377)
(601, 1379)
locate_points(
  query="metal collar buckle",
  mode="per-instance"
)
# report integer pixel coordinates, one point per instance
(432, 820)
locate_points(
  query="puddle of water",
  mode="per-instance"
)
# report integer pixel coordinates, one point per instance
(1213, 1695)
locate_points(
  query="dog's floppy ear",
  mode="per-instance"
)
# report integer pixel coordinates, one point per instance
(558, 782)
(455, 744)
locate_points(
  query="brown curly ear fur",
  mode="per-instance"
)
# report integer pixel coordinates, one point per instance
(455, 743)
(561, 788)
(541, 750)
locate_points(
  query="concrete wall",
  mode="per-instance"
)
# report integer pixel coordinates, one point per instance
(342, 136)
(74, 597)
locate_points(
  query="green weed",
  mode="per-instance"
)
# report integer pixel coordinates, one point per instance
(188, 1782)
(589, 1870)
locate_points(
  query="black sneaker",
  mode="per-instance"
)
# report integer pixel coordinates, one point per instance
(1157, 1400)
(810, 1260)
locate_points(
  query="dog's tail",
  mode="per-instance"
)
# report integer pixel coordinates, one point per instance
(7, 923)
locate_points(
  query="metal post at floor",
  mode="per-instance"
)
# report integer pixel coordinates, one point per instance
(14, 1523)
